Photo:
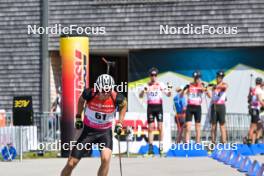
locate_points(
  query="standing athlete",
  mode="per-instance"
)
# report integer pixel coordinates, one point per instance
(180, 105)
(259, 134)
(256, 102)
(218, 108)
(194, 93)
(154, 90)
(100, 108)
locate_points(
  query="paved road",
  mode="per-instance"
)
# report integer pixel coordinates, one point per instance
(132, 167)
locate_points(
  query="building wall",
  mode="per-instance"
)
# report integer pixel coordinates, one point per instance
(20, 65)
(134, 24)
(130, 24)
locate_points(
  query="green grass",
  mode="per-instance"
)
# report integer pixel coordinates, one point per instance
(34, 155)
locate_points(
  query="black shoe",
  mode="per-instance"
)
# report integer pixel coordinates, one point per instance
(151, 152)
(161, 150)
(249, 142)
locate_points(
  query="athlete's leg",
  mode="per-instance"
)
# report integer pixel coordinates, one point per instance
(259, 130)
(213, 121)
(188, 124)
(197, 116)
(70, 165)
(188, 131)
(179, 138)
(251, 133)
(150, 133)
(180, 127)
(261, 125)
(160, 128)
(150, 119)
(221, 114)
(159, 115)
(150, 137)
(253, 126)
(223, 133)
(198, 132)
(179, 135)
(213, 132)
(76, 154)
(105, 162)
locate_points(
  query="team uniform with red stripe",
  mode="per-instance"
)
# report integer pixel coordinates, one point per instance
(255, 104)
(99, 114)
(194, 101)
(154, 101)
(98, 117)
(218, 108)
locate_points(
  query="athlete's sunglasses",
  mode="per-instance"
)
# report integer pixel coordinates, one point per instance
(153, 75)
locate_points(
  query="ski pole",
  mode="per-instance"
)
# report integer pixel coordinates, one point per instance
(119, 155)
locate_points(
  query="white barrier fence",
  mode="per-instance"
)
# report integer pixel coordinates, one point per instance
(46, 129)
(25, 134)
(237, 126)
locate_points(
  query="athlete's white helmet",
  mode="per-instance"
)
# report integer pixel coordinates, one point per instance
(105, 82)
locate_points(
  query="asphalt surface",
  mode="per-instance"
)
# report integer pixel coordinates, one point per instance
(131, 167)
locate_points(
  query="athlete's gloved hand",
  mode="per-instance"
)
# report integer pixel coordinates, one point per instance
(186, 87)
(78, 122)
(211, 85)
(118, 128)
(169, 86)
